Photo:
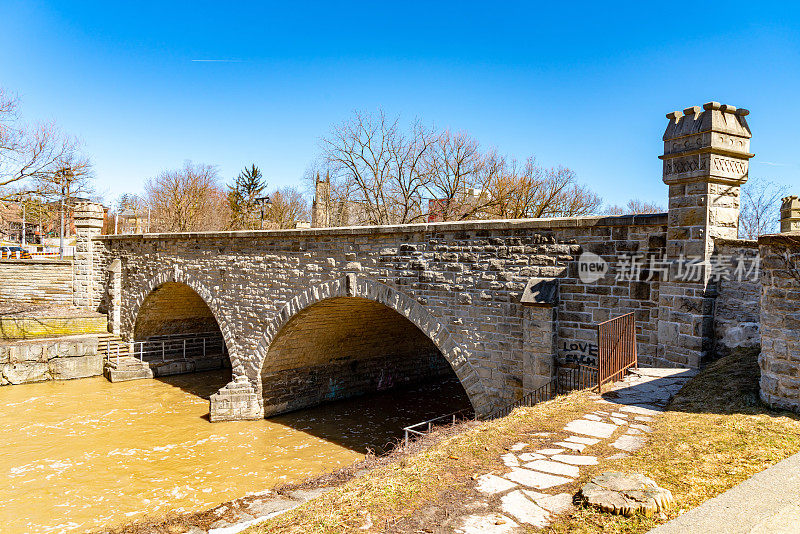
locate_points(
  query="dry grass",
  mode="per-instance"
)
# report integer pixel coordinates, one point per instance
(715, 434)
(422, 493)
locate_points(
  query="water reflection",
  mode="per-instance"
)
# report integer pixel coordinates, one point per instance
(80, 454)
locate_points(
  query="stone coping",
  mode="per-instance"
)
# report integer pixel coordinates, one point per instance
(32, 317)
(45, 340)
(721, 241)
(459, 226)
(789, 239)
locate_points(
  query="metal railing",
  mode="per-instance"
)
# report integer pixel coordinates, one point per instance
(576, 378)
(542, 393)
(567, 379)
(616, 343)
(430, 423)
(170, 348)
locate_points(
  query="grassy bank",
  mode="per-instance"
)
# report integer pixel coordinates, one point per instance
(425, 492)
(714, 435)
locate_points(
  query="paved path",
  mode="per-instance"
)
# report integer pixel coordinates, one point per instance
(529, 492)
(766, 503)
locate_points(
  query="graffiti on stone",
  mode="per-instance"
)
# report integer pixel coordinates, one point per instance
(580, 352)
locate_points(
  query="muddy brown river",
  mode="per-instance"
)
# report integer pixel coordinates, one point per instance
(82, 454)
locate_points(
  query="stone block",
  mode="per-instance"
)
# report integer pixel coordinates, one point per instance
(237, 401)
(26, 372)
(76, 367)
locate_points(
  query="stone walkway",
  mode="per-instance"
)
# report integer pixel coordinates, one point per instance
(531, 492)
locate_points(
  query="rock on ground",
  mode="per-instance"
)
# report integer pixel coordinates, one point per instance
(626, 494)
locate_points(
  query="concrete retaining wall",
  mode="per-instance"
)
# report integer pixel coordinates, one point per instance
(27, 327)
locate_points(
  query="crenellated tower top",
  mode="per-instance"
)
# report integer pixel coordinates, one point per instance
(708, 144)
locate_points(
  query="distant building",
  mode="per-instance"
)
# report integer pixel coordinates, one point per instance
(436, 209)
(42, 220)
(326, 212)
(11, 224)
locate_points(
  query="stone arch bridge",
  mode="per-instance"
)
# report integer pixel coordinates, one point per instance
(316, 314)
(313, 315)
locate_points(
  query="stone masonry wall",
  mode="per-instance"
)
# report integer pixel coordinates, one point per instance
(173, 309)
(461, 281)
(36, 282)
(582, 305)
(49, 359)
(737, 306)
(780, 320)
(341, 347)
(293, 389)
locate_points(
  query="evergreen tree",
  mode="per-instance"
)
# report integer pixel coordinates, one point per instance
(242, 195)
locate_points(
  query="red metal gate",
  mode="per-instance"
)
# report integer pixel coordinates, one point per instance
(616, 343)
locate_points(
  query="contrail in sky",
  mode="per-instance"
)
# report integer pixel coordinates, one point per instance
(773, 164)
(217, 60)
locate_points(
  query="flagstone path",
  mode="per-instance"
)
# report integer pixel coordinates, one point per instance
(530, 492)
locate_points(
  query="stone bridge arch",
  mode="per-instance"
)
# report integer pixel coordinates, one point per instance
(394, 300)
(176, 275)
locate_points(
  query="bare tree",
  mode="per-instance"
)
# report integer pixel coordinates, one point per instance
(373, 163)
(37, 158)
(459, 175)
(760, 207)
(391, 173)
(635, 207)
(531, 191)
(187, 199)
(288, 207)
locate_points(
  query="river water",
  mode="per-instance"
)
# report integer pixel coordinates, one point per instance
(82, 454)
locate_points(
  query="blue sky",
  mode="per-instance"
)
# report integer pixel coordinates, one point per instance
(585, 85)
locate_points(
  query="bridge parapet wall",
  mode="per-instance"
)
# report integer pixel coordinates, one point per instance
(737, 301)
(468, 276)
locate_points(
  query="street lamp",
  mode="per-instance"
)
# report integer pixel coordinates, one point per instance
(22, 238)
(262, 202)
(66, 175)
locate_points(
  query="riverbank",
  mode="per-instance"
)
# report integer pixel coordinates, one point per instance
(236, 514)
(81, 455)
(714, 434)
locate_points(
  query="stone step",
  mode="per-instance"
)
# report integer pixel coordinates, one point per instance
(110, 344)
(127, 369)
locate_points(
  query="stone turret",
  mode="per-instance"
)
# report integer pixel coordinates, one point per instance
(706, 159)
(88, 225)
(790, 214)
(705, 163)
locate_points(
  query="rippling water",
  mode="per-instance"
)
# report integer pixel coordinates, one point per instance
(81, 454)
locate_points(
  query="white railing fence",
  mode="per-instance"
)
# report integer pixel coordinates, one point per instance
(170, 348)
